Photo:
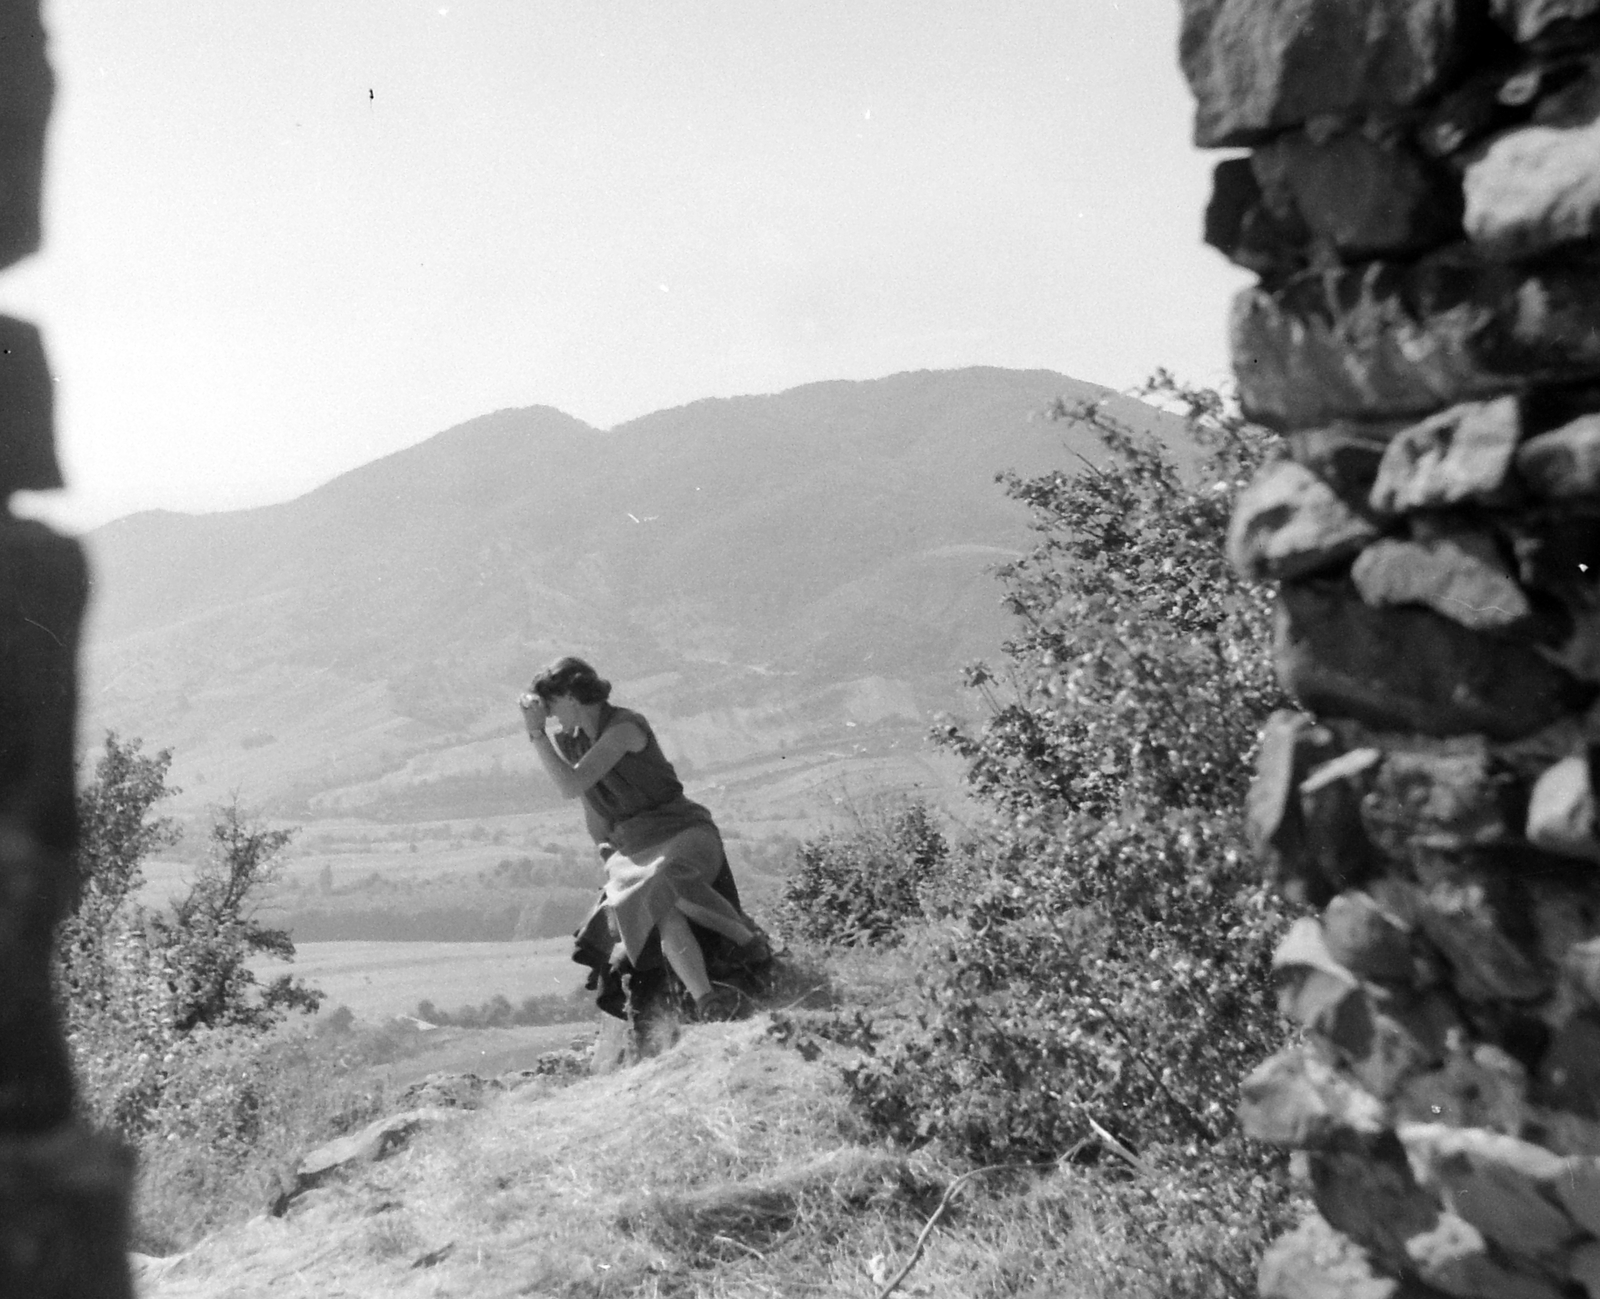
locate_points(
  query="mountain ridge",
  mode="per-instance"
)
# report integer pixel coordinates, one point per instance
(763, 564)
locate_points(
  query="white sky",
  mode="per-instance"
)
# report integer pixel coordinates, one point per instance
(284, 237)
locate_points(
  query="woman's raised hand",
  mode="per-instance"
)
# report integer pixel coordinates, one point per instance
(535, 712)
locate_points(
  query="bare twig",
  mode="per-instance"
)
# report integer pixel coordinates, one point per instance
(1185, 1112)
(739, 1244)
(821, 987)
(927, 1227)
(1117, 1148)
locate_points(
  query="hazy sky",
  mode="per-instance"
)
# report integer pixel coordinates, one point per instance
(284, 237)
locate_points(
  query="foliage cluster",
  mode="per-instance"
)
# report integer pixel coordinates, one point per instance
(498, 1012)
(1106, 981)
(1140, 670)
(869, 885)
(156, 999)
(1111, 972)
(240, 1108)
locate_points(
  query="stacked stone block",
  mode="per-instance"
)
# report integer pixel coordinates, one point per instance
(1421, 205)
(63, 1192)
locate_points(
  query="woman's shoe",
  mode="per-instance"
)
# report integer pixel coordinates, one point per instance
(757, 952)
(719, 1005)
(613, 998)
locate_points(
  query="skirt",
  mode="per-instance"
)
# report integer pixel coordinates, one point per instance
(643, 888)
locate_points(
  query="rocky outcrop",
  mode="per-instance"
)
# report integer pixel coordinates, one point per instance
(1422, 207)
(470, 1091)
(376, 1141)
(426, 1102)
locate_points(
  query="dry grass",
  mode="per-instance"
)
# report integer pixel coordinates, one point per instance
(726, 1168)
(573, 1191)
(322, 1085)
(316, 1085)
(752, 1217)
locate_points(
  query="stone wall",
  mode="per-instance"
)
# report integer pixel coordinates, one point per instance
(1421, 204)
(63, 1192)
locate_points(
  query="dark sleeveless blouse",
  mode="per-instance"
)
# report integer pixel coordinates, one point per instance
(640, 799)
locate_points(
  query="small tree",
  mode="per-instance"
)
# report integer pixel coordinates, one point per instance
(1140, 669)
(214, 929)
(1113, 968)
(136, 980)
(117, 831)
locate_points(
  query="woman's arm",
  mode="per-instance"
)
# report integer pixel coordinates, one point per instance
(599, 829)
(573, 780)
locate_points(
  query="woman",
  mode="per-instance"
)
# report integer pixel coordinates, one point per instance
(661, 850)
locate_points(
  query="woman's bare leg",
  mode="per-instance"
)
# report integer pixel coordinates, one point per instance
(679, 946)
(718, 923)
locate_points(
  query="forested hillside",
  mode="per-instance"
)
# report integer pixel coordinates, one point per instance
(779, 579)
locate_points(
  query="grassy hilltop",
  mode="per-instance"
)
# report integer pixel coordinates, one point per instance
(730, 1165)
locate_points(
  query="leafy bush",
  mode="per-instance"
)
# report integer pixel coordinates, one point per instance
(866, 887)
(1141, 667)
(1111, 969)
(239, 1107)
(1111, 972)
(498, 1012)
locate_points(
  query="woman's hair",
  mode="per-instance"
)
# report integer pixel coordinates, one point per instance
(572, 676)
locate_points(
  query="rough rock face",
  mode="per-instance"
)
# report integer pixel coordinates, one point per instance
(1423, 209)
(1537, 186)
(1259, 68)
(1396, 341)
(376, 1141)
(1356, 196)
(63, 1192)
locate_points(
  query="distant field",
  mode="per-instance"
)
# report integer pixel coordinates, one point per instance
(380, 980)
